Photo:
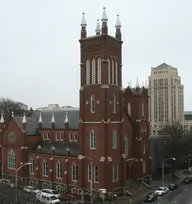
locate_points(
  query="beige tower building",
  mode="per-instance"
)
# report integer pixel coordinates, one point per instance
(166, 100)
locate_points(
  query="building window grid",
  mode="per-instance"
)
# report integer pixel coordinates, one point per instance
(11, 160)
(47, 134)
(87, 72)
(44, 168)
(70, 137)
(116, 72)
(74, 172)
(99, 70)
(92, 140)
(96, 174)
(109, 71)
(57, 136)
(44, 136)
(93, 71)
(32, 167)
(61, 136)
(59, 170)
(113, 72)
(92, 103)
(114, 139)
(75, 137)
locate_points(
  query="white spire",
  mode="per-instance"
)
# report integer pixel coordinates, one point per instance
(98, 29)
(2, 118)
(146, 85)
(24, 118)
(66, 118)
(137, 82)
(118, 23)
(40, 118)
(53, 118)
(83, 21)
(104, 16)
(12, 114)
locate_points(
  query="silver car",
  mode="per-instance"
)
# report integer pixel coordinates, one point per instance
(7, 182)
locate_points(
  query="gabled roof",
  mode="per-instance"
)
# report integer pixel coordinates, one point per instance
(60, 148)
(73, 119)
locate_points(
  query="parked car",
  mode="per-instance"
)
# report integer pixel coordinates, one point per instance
(7, 182)
(47, 198)
(69, 197)
(187, 180)
(31, 189)
(51, 191)
(172, 187)
(150, 197)
(161, 191)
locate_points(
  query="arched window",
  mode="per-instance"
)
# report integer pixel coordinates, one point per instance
(92, 103)
(109, 71)
(99, 70)
(92, 140)
(114, 103)
(126, 147)
(32, 183)
(74, 172)
(44, 168)
(89, 173)
(11, 160)
(45, 185)
(144, 167)
(113, 172)
(113, 72)
(32, 166)
(93, 70)
(59, 188)
(114, 139)
(116, 73)
(96, 174)
(143, 109)
(129, 108)
(87, 72)
(59, 170)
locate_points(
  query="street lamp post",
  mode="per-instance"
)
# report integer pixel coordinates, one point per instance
(16, 171)
(1, 160)
(91, 183)
(163, 168)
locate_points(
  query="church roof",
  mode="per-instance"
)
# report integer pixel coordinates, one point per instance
(73, 119)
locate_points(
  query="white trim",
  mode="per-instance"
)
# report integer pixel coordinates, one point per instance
(102, 121)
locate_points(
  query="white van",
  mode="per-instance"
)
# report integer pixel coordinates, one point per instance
(47, 198)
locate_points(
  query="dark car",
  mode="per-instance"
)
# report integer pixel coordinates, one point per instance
(172, 187)
(187, 180)
(150, 197)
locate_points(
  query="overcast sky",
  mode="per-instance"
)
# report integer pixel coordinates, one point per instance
(39, 48)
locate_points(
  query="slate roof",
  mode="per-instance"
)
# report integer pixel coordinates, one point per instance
(60, 148)
(73, 118)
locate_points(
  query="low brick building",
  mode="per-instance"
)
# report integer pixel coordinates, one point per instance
(103, 143)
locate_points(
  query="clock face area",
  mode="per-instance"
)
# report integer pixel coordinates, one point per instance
(11, 137)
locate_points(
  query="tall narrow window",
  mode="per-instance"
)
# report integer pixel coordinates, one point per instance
(114, 140)
(32, 166)
(99, 70)
(113, 172)
(87, 72)
(129, 108)
(59, 170)
(89, 173)
(114, 104)
(74, 172)
(11, 160)
(109, 71)
(117, 172)
(116, 73)
(113, 72)
(144, 150)
(96, 174)
(126, 148)
(92, 140)
(93, 71)
(143, 109)
(44, 168)
(92, 103)
(144, 167)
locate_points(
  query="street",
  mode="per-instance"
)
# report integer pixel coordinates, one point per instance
(182, 195)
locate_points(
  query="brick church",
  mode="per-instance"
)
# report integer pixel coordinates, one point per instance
(102, 144)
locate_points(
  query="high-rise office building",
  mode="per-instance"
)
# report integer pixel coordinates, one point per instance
(166, 102)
